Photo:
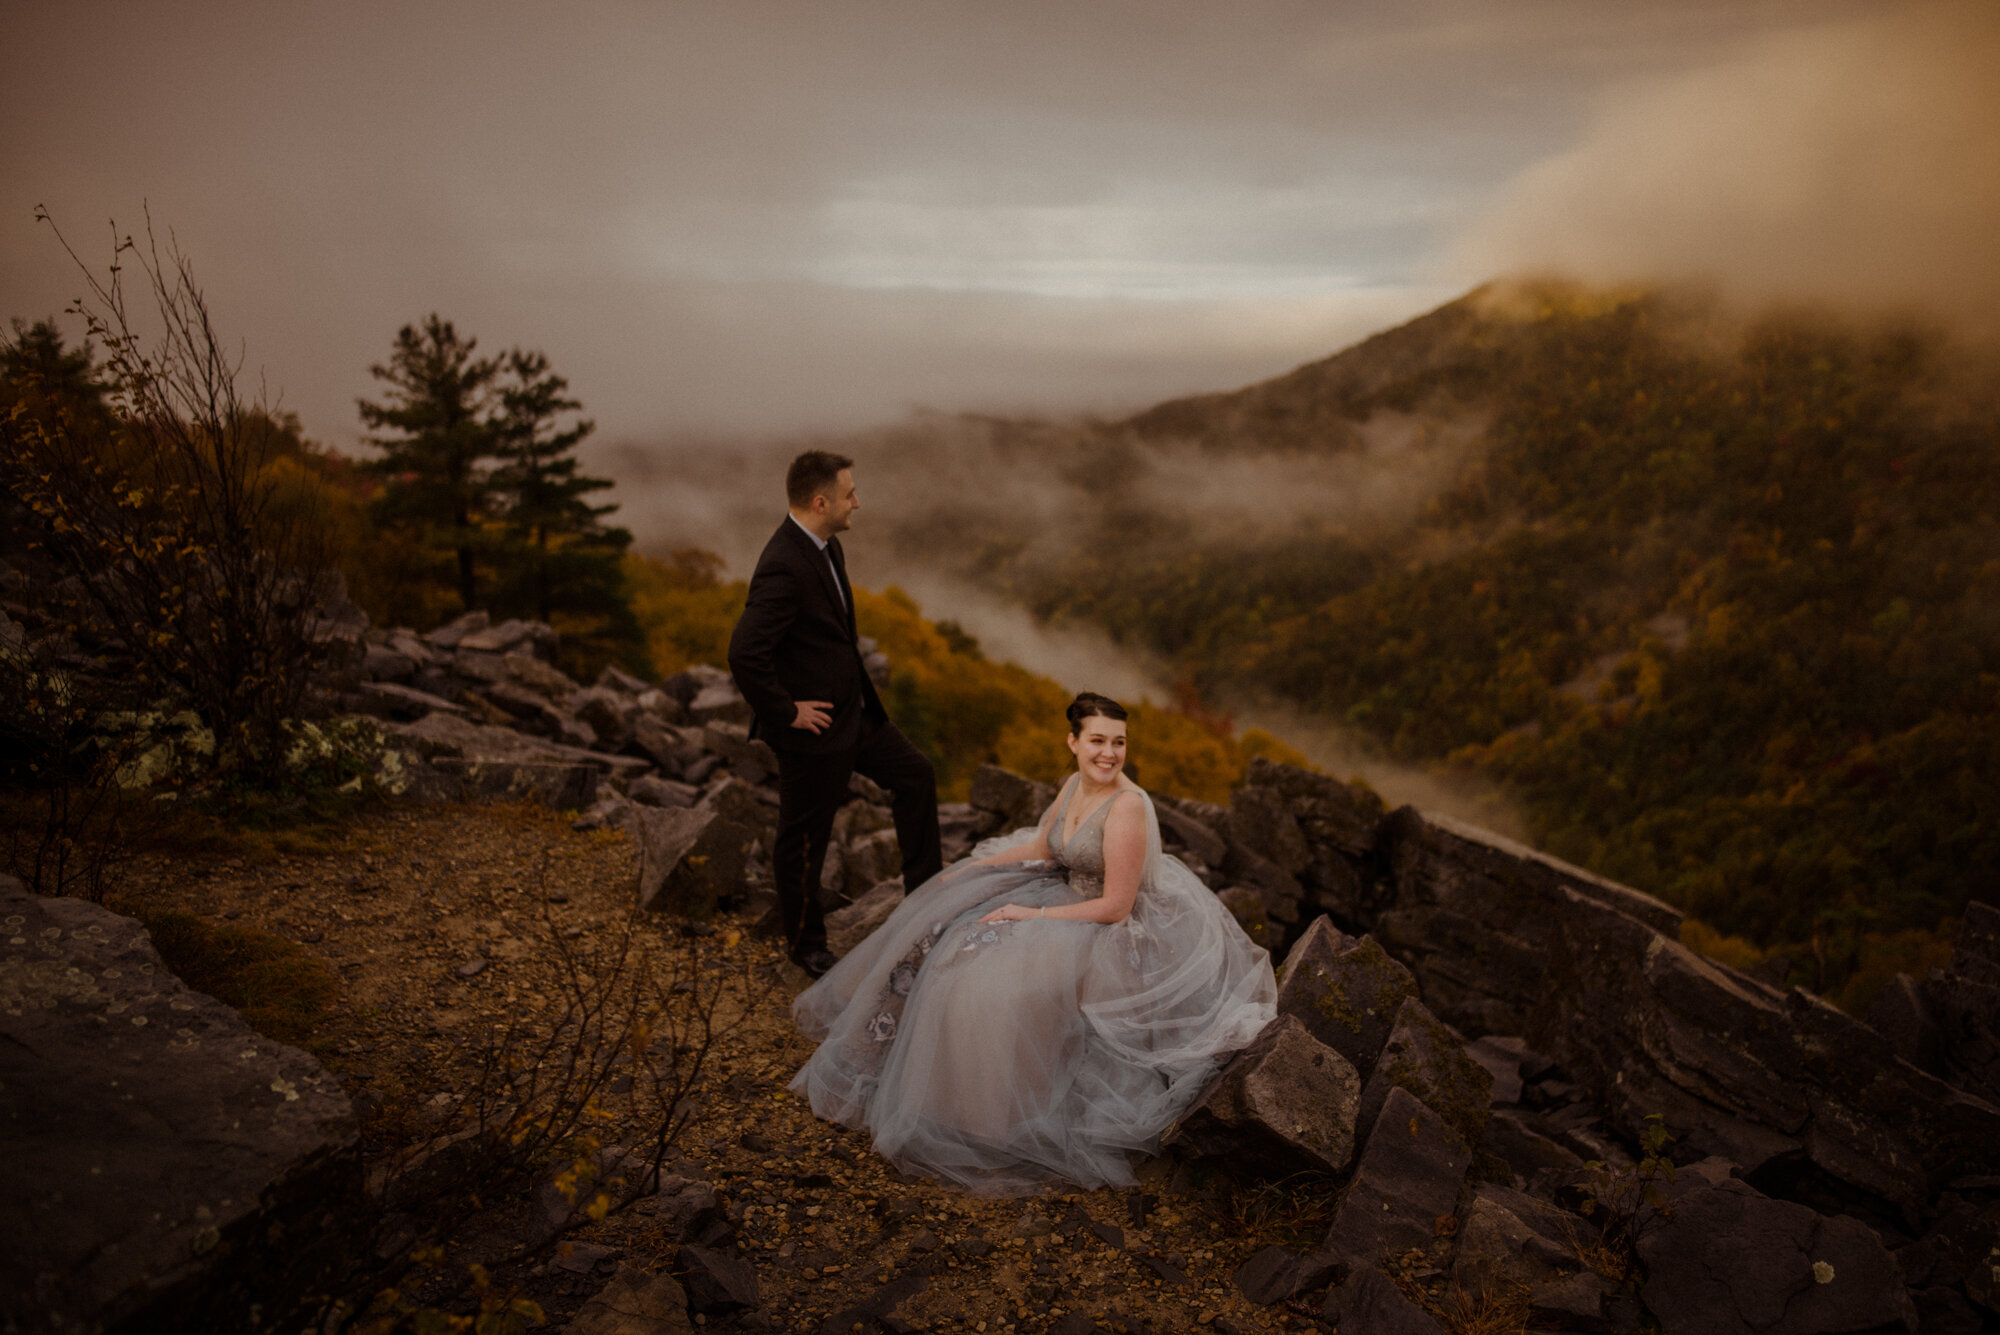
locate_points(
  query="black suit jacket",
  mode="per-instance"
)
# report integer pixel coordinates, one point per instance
(797, 641)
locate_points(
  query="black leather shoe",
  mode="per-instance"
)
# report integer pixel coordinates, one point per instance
(816, 962)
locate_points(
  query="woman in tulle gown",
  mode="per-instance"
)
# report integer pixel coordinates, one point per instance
(1044, 1009)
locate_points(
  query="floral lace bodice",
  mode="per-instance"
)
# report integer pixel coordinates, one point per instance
(1083, 855)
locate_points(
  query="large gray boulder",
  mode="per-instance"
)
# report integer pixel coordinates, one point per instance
(1345, 991)
(1285, 1104)
(1728, 1260)
(1018, 800)
(689, 858)
(851, 924)
(1406, 1187)
(1425, 1058)
(154, 1142)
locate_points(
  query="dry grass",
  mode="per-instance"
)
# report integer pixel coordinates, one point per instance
(1502, 1311)
(1292, 1212)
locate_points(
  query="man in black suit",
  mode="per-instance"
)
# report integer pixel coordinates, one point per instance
(796, 660)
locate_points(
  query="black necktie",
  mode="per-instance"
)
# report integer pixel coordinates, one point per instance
(840, 578)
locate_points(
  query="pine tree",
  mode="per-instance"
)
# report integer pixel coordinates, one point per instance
(565, 565)
(440, 406)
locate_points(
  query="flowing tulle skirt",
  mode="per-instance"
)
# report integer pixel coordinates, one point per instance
(1010, 1056)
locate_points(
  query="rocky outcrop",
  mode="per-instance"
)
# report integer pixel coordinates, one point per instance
(475, 710)
(1523, 1019)
(153, 1139)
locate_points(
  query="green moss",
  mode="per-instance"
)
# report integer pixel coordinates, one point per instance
(282, 990)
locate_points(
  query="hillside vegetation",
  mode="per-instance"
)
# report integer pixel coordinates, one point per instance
(1718, 602)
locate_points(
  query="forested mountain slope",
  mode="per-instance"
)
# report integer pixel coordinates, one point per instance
(1718, 600)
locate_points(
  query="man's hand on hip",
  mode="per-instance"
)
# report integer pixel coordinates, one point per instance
(813, 715)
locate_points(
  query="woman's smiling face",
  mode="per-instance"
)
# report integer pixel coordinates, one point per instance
(1099, 747)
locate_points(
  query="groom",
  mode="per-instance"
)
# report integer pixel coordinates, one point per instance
(796, 660)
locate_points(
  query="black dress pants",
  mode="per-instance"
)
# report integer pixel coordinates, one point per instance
(811, 791)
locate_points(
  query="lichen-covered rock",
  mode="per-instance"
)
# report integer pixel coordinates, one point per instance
(1284, 1104)
(1247, 907)
(1728, 1259)
(1405, 1188)
(1425, 1058)
(689, 859)
(1345, 991)
(153, 1139)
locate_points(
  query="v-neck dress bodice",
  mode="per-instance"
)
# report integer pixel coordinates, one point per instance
(1012, 1056)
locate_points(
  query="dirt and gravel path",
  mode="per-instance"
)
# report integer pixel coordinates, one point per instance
(434, 919)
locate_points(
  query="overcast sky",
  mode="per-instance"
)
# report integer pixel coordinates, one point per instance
(747, 217)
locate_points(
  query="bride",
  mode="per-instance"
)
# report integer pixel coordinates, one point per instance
(1044, 1009)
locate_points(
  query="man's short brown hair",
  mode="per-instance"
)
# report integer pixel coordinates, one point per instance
(813, 474)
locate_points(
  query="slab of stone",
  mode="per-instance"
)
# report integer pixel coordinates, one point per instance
(1276, 1274)
(606, 712)
(749, 806)
(379, 662)
(672, 749)
(870, 860)
(561, 786)
(392, 700)
(1260, 821)
(634, 1303)
(657, 792)
(1344, 816)
(1408, 1180)
(719, 704)
(750, 759)
(689, 859)
(153, 1140)
(1347, 992)
(1019, 800)
(851, 924)
(1514, 1137)
(1422, 1056)
(1502, 1060)
(1506, 1239)
(1571, 1302)
(1285, 1104)
(1198, 838)
(1730, 1260)
(539, 677)
(717, 1281)
(448, 636)
(1369, 1303)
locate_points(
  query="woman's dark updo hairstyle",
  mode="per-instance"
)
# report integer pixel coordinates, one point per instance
(1092, 705)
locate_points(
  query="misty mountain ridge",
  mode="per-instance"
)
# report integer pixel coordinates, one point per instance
(1713, 596)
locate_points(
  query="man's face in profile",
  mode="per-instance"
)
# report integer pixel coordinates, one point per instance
(841, 502)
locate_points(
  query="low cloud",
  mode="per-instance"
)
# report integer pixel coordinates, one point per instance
(1852, 162)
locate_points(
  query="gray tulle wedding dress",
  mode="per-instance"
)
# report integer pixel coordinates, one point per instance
(1008, 1057)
